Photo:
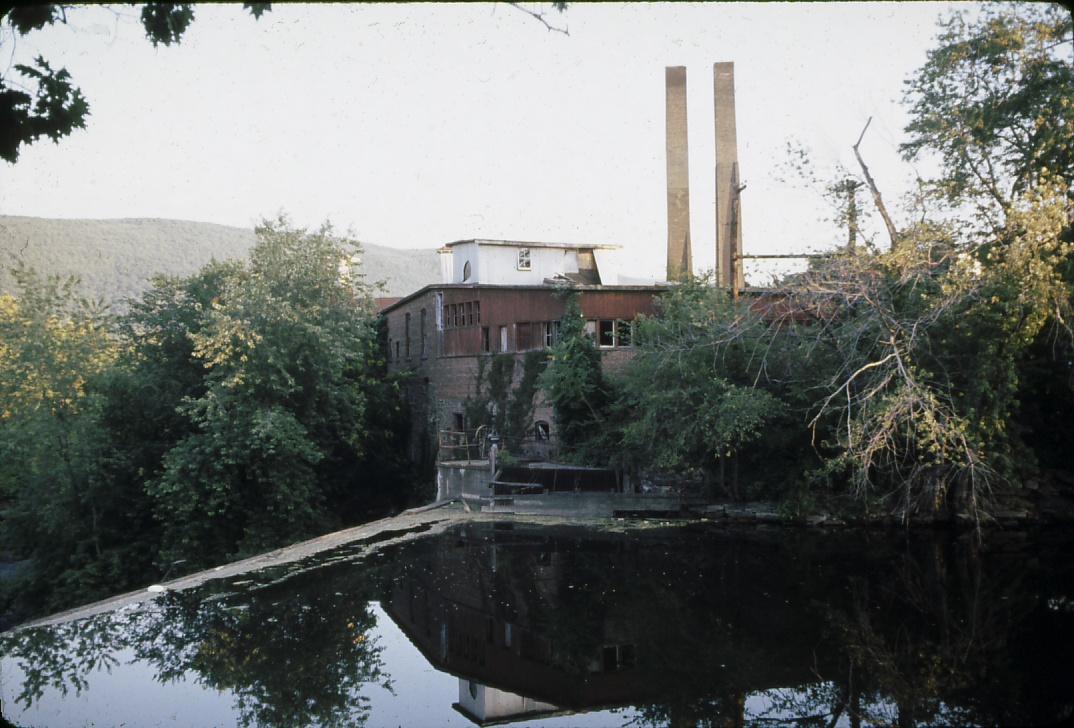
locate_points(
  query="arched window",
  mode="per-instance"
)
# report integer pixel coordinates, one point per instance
(542, 431)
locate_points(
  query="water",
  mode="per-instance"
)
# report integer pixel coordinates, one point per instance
(682, 626)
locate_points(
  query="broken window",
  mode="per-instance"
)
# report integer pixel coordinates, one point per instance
(551, 333)
(606, 333)
(524, 259)
(485, 347)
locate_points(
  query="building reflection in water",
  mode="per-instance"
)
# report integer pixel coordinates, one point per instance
(687, 627)
(690, 625)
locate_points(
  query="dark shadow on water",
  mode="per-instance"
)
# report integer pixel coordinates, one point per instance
(689, 626)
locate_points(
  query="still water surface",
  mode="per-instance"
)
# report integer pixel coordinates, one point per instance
(528, 625)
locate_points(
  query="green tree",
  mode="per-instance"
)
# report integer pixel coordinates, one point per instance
(575, 386)
(47, 103)
(59, 511)
(287, 350)
(995, 103)
(697, 393)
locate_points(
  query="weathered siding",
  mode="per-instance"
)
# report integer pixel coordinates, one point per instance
(446, 375)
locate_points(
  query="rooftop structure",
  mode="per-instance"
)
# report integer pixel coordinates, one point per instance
(509, 262)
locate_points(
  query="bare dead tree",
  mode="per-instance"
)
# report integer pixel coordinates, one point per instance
(893, 233)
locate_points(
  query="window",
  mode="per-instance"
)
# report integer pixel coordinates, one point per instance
(551, 333)
(610, 333)
(503, 338)
(542, 431)
(485, 339)
(389, 348)
(524, 259)
(466, 271)
(458, 315)
(423, 333)
(406, 329)
(606, 333)
(397, 351)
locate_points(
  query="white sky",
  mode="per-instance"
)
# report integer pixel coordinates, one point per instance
(414, 125)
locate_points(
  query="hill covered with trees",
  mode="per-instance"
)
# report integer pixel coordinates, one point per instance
(116, 258)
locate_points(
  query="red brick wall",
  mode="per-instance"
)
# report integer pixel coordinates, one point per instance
(442, 380)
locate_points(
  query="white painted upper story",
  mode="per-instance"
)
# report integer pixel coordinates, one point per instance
(517, 263)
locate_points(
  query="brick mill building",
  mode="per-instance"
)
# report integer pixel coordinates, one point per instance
(501, 297)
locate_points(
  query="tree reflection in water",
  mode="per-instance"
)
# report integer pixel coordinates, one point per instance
(689, 626)
(290, 654)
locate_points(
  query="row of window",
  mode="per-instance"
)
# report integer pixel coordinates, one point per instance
(529, 335)
(458, 315)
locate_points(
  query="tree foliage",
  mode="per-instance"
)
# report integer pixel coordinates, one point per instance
(905, 367)
(995, 103)
(688, 399)
(500, 403)
(286, 350)
(228, 412)
(575, 386)
(56, 506)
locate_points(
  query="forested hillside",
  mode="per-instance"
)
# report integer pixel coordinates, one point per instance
(116, 258)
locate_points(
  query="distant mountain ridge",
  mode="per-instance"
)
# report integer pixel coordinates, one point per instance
(116, 258)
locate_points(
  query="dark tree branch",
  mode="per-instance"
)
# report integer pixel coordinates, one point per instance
(540, 17)
(892, 232)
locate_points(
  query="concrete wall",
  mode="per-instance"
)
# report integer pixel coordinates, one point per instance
(458, 480)
(585, 505)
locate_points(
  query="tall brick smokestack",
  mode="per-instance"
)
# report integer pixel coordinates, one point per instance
(728, 211)
(680, 262)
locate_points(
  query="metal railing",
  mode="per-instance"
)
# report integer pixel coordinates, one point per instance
(468, 445)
